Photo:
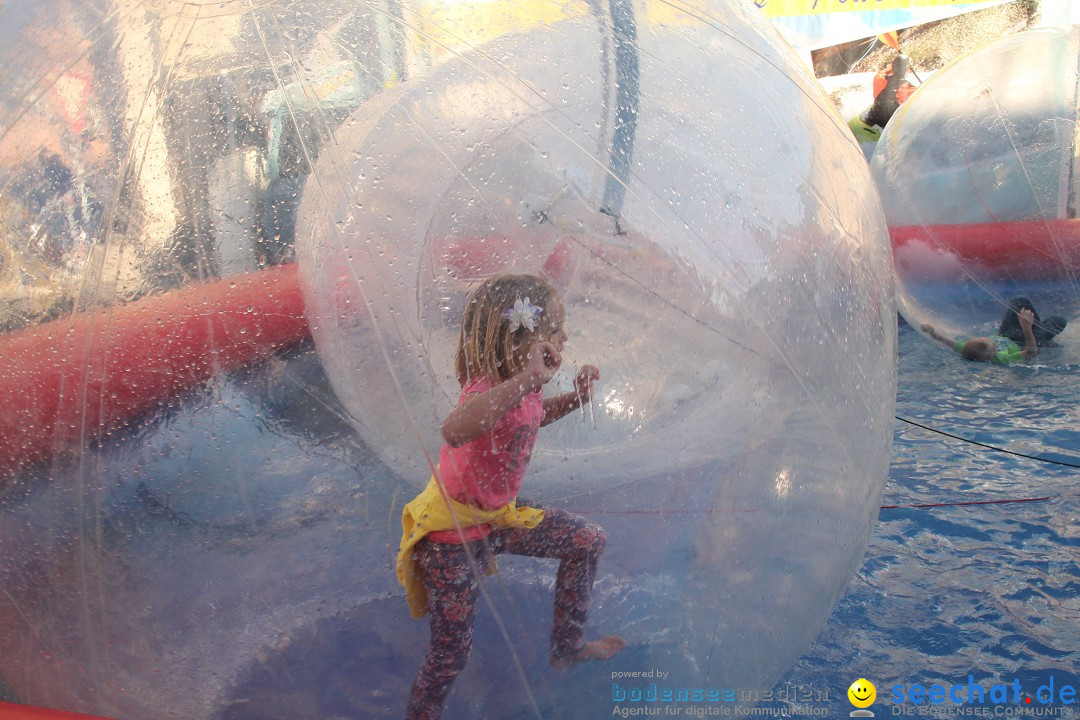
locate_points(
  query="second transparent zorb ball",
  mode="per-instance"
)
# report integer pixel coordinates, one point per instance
(977, 179)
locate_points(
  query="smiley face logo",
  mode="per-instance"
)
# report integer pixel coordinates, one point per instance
(862, 693)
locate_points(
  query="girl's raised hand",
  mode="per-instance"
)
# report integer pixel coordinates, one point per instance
(583, 381)
(543, 362)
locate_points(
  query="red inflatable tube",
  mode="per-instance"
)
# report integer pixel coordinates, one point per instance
(9, 711)
(68, 381)
(1042, 249)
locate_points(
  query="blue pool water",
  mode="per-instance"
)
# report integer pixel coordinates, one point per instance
(991, 591)
(988, 591)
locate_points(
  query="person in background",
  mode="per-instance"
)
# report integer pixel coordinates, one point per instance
(891, 90)
(1044, 330)
(993, 349)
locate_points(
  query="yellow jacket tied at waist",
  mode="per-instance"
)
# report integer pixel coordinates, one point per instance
(431, 511)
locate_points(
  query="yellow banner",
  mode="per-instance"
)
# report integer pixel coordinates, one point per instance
(789, 8)
(451, 27)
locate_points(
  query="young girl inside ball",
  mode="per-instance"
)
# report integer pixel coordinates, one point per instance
(512, 337)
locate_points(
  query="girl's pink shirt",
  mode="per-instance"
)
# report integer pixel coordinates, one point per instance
(487, 472)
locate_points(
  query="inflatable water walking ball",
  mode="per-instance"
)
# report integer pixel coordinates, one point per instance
(977, 178)
(709, 266)
(202, 524)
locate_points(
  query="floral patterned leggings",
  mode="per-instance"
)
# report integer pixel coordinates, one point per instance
(453, 590)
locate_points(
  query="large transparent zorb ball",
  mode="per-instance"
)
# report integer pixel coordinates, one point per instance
(711, 227)
(977, 178)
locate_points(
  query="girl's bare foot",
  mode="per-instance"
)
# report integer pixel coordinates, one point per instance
(603, 649)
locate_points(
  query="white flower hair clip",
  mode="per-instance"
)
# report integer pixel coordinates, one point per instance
(523, 314)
